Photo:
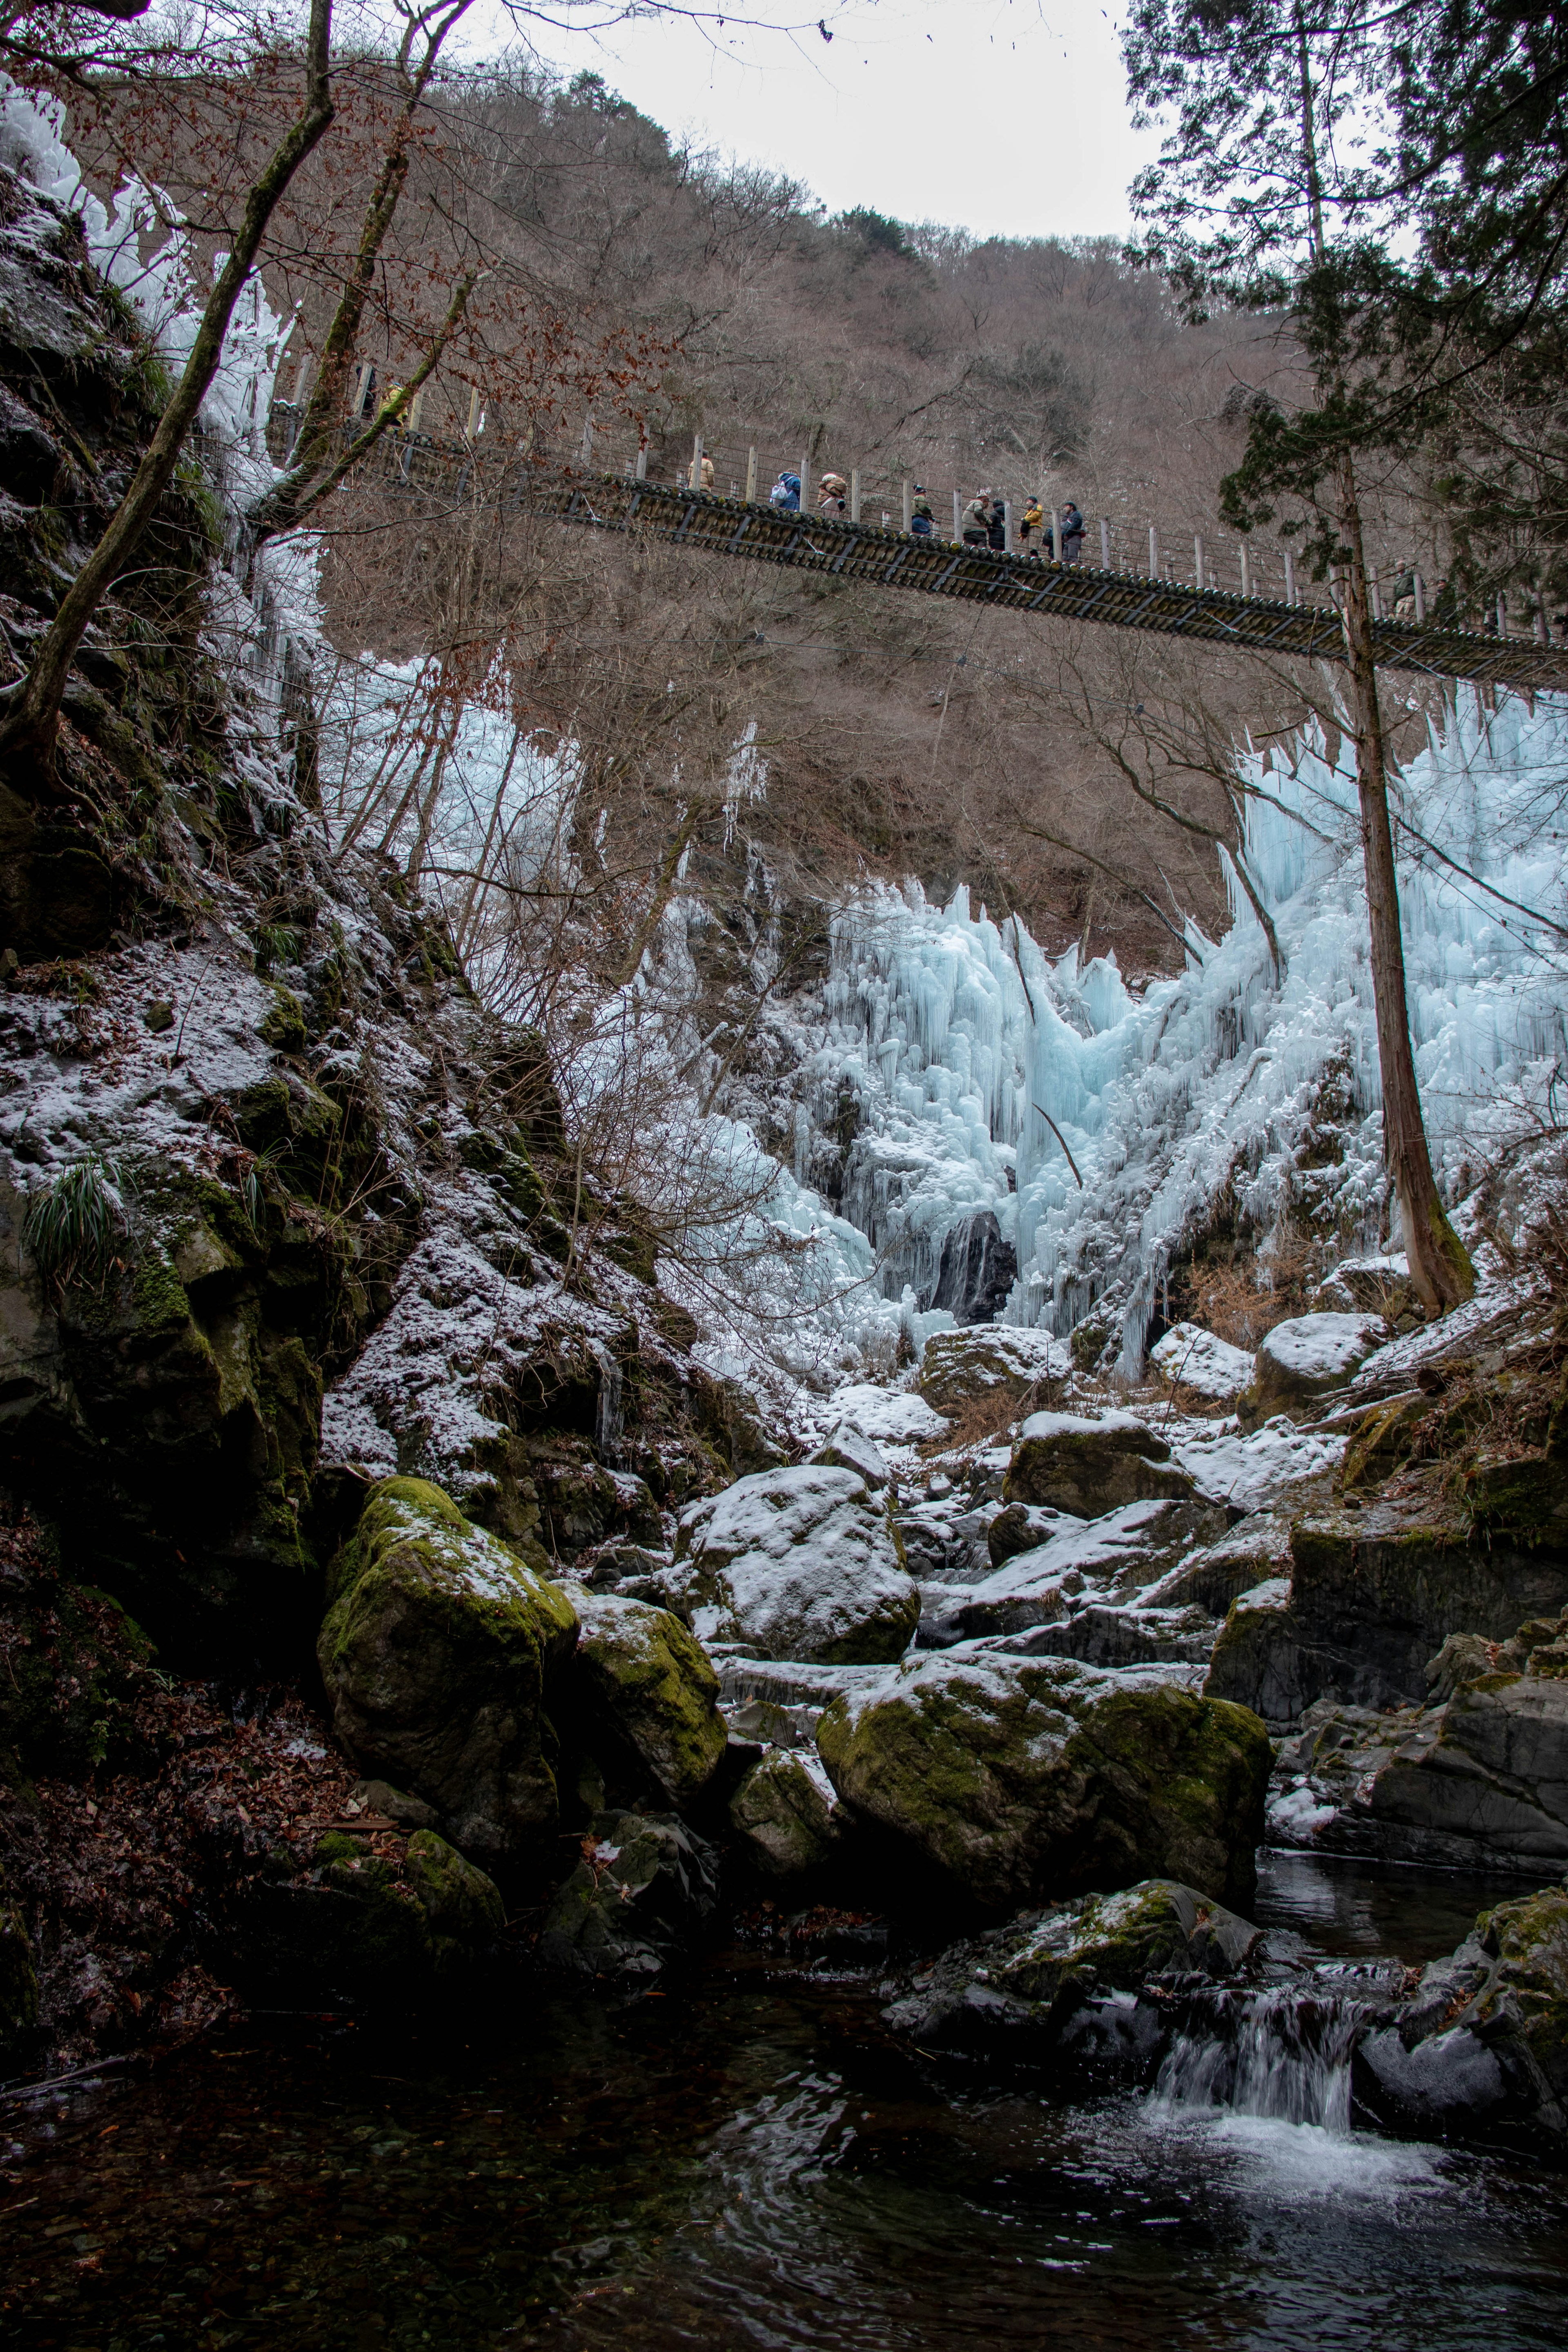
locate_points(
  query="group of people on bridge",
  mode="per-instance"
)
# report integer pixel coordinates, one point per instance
(983, 523)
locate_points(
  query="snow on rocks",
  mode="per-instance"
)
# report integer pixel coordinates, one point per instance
(1308, 1355)
(1089, 1464)
(1111, 1558)
(888, 1416)
(1191, 1358)
(847, 1449)
(956, 1367)
(1255, 1469)
(799, 1564)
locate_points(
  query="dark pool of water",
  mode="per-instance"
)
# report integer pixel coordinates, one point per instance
(748, 2165)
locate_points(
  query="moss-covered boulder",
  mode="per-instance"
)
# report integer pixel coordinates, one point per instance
(1024, 1984)
(641, 1684)
(1019, 1779)
(436, 1654)
(800, 1563)
(1483, 2041)
(644, 1886)
(1091, 1465)
(989, 1359)
(367, 1924)
(1257, 1660)
(785, 1814)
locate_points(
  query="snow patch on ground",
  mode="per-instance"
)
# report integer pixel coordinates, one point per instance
(1195, 1359)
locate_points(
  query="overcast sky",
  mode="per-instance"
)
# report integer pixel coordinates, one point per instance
(1006, 117)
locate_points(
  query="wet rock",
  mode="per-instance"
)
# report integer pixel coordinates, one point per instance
(1255, 1551)
(804, 1564)
(1023, 1526)
(1484, 2038)
(1258, 1660)
(638, 1677)
(978, 1269)
(1024, 1981)
(1308, 1355)
(1191, 1358)
(1070, 1462)
(1016, 1779)
(434, 1654)
(785, 1814)
(958, 1366)
(847, 1450)
(1477, 1778)
(644, 1885)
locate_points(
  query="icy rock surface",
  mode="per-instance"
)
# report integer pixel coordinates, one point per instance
(1198, 1361)
(1090, 1464)
(1308, 1354)
(959, 1366)
(799, 1564)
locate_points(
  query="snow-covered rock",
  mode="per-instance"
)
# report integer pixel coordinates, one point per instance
(1111, 1559)
(799, 1564)
(888, 1416)
(1192, 1358)
(849, 1449)
(1307, 1355)
(956, 1367)
(1090, 1464)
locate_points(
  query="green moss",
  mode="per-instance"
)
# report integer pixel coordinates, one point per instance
(284, 1026)
(649, 1684)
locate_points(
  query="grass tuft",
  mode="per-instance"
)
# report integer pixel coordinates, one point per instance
(73, 1227)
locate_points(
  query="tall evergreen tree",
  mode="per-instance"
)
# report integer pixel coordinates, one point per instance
(1265, 197)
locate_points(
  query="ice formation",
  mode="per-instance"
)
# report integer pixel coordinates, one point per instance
(948, 1037)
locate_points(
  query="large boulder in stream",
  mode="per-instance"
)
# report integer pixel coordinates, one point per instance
(1020, 1990)
(803, 1563)
(435, 1652)
(1016, 1779)
(1483, 2043)
(1476, 1780)
(640, 1688)
(1091, 1465)
(644, 1885)
(786, 1815)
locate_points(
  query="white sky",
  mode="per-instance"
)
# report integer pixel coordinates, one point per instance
(1006, 117)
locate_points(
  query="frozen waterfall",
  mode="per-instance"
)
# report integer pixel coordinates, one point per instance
(947, 1036)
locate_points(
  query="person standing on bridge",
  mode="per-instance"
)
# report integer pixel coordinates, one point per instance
(996, 529)
(1072, 533)
(976, 522)
(785, 494)
(705, 473)
(833, 499)
(1034, 520)
(922, 523)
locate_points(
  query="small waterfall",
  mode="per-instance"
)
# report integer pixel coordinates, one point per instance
(1279, 2055)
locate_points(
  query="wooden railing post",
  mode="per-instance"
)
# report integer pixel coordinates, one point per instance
(1104, 544)
(1290, 577)
(641, 473)
(1246, 571)
(696, 481)
(1154, 552)
(752, 476)
(1420, 586)
(854, 494)
(1198, 564)
(1007, 540)
(957, 517)
(909, 509)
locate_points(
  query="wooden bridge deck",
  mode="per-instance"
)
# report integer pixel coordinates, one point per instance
(712, 525)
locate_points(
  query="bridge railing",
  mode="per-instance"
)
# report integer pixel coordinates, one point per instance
(506, 469)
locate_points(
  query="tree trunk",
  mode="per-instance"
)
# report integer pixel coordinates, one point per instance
(32, 708)
(1441, 1274)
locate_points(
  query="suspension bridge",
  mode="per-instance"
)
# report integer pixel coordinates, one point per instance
(748, 530)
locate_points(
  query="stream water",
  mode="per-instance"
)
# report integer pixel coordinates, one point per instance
(748, 2163)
